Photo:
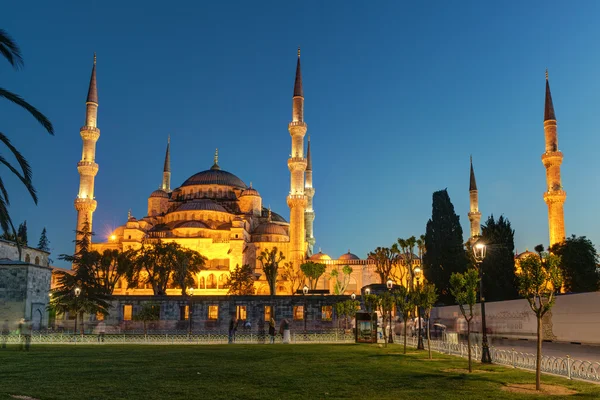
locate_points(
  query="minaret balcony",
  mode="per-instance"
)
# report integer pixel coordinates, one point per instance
(87, 168)
(89, 133)
(555, 196)
(551, 158)
(297, 163)
(85, 204)
(297, 123)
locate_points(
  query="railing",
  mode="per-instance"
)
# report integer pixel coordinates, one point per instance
(563, 366)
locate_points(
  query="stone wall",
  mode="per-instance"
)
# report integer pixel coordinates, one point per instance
(8, 250)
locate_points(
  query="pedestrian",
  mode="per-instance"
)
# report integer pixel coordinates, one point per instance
(284, 329)
(5, 333)
(25, 332)
(101, 331)
(272, 330)
(233, 325)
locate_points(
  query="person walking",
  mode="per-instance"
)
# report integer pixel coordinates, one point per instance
(5, 333)
(25, 332)
(272, 330)
(233, 325)
(284, 329)
(101, 331)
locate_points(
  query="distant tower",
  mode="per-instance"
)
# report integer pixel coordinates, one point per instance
(297, 200)
(309, 213)
(474, 214)
(85, 204)
(552, 159)
(166, 181)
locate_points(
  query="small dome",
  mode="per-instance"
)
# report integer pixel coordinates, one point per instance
(349, 256)
(320, 256)
(203, 204)
(269, 228)
(160, 193)
(274, 216)
(525, 254)
(191, 224)
(250, 192)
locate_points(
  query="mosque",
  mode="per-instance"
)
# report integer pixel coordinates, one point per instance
(217, 214)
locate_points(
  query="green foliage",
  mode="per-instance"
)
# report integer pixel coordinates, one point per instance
(499, 278)
(270, 260)
(44, 244)
(464, 288)
(185, 263)
(241, 281)
(295, 277)
(341, 283)
(346, 309)
(539, 280)
(426, 297)
(405, 305)
(445, 249)
(371, 302)
(148, 312)
(313, 272)
(578, 264)
(407, 247)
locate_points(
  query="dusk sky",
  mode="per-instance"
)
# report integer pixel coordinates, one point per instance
(397, 96)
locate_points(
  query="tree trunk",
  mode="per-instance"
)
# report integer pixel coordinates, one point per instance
(428, 339)
(145, 330)
(405, 336)
(383, 329)
(469, 344)
(538, 363)
(81, 318)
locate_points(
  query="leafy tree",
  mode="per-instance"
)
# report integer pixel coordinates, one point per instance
(186, 264)
(149, 312)
(578, 262)
(538, 281)
(385, 304)
(499, 279)
(241, 281)
(385, 259)
(270, 260)
(110, 266)
(444, 241)
(341, 284)
(346, 310)
(371, 302)
(295, 277)
(313, 272)
(426, 297)
(407, 247)
(464, 289)
(421, 246)
(405, 305)
(12, 53)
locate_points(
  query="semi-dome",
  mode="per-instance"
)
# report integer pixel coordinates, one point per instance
(269, 228)
(215, 177)
(192, 224)
(320, 256)
(159, 193)
(349, 256)
(274, 216)
(202, 205)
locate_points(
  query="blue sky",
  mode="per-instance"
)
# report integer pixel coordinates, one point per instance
(397, 96)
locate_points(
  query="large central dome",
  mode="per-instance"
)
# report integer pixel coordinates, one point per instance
(215, 177)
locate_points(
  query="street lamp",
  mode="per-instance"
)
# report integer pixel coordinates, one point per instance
(389, 285)
(304, 293)
(77, 292)
(190, 310)
(420, 345)
(353, 296)
(479, 253)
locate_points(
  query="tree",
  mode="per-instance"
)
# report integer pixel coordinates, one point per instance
(110, 266)
(405, 305)
(12, 53)
(407, 247)
(270, 260)
(295, 277)
(22, 233)
(313, 272)
(385, 303)
(346, 310)
(444, 241)
(578, 262)
(340, 285)
(186, 264)
(44, 243)
(385, 259)
(464, 289)
(499, 278)
(149, 312)
(241, 281)
(426, 298)
(538, 281)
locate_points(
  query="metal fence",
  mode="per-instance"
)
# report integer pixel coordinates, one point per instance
(562, 366)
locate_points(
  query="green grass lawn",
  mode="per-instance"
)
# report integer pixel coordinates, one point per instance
(254, 372)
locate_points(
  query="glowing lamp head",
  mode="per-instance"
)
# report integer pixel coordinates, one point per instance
(418, 272)
(368, 291)
(389, 284)
(479, 251)
(191, 291)
(113, 237)
(353, 296)
(305, 289)
(77, 291)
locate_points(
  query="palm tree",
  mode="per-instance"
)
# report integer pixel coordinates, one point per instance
(11, 52)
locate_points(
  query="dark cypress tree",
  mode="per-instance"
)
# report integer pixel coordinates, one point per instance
(499, 279)
(578, 262)
(444, 245)
(44, 243)
(22, 233)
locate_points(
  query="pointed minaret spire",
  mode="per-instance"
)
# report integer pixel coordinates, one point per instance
(298, 82)
(93, 90)
(548, 106)
(309, 212)
(216, 159)
(166, 182)
(308, 158)
(472, 182)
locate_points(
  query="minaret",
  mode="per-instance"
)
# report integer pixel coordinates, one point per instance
(85, 204)
(309, 213)
(474, 214)
(166, 181)
(552, 159)
(297, 200)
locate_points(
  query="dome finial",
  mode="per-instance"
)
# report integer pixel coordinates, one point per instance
(216, 159)
(269, 216)
(129, 214)
(298, 51)
(94, 58)
(546, 73)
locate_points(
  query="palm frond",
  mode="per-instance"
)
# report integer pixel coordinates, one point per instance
(4, 191)
(10, 50)
(20, 158)
(25, 181)
(18, 100)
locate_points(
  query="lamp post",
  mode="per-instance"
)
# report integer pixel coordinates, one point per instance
(304, 293)
(479, 252)
(389, 284)
(420, 345)
(77, 292)
(190, 310)
(353, 296)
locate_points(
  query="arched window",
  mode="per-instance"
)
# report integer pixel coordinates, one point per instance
(211, 282)
(37, 261)
(210, 192)
(223, 281)
(27, 258)
(201, 284)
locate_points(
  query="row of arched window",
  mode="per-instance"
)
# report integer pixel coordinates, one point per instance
(213, 281)
(28, 259)
(210, 193)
